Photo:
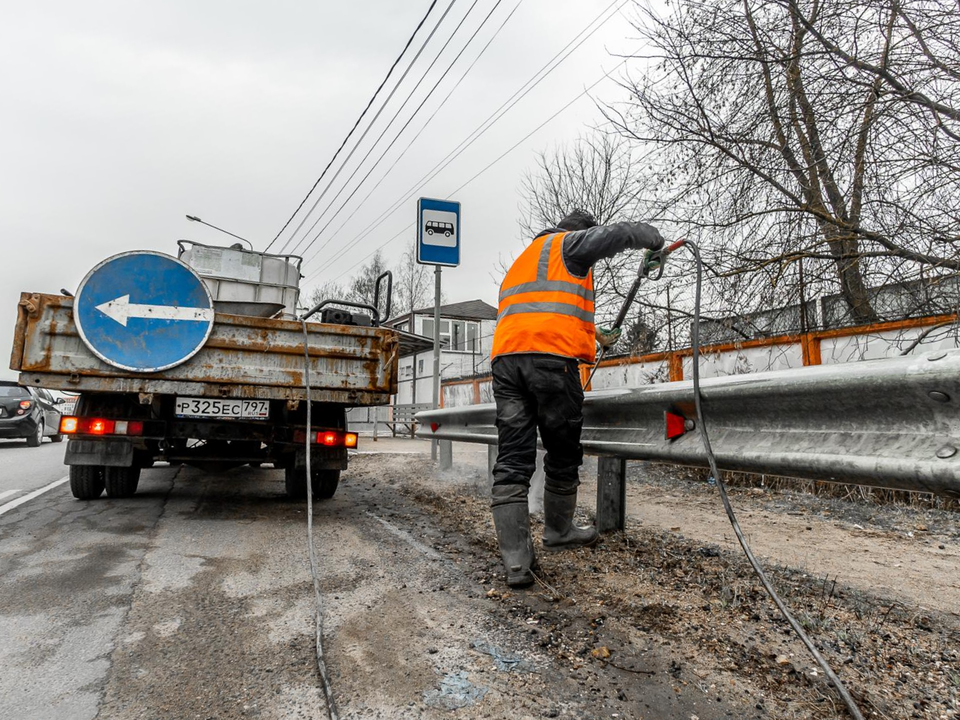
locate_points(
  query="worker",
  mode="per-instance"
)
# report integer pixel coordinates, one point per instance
(545, 329)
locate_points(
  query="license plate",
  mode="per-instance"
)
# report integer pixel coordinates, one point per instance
(204, 407)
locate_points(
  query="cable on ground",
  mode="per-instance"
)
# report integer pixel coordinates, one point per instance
(831, 675)
(318, 598)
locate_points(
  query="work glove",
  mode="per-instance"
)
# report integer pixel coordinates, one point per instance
(648, 236)
(607, 337)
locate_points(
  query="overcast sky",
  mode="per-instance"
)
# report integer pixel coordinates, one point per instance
(121, 117)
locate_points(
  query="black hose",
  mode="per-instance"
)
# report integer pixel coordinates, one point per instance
(841, 689)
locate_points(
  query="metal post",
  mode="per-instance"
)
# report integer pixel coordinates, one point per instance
(436, 353)
(446, 454)
(611, 494)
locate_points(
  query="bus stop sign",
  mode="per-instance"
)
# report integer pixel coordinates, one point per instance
(143, 311)
(438, 232)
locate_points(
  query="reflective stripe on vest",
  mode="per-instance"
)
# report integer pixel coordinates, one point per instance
(543, 308)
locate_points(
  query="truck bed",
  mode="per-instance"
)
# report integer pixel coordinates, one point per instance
(244, 357)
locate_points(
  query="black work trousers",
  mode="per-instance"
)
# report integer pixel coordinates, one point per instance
(538, 392)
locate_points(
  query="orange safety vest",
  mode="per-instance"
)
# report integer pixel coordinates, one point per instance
(544, 308)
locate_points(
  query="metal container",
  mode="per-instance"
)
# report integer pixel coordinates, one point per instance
(238, 275)
(244, 357)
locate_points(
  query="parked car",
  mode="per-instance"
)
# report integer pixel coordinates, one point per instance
(30, 413)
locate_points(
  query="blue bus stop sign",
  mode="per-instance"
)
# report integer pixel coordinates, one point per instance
(438, 232)
(143, 311)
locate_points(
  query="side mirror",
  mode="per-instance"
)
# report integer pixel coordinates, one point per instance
(59, 401)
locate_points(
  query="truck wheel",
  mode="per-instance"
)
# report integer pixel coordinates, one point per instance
(86, 481)
(37, 437)
(121, 482)
(295, 480)
(56, 438)
(325, 483)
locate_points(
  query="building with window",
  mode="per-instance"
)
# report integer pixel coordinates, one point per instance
(466, 336)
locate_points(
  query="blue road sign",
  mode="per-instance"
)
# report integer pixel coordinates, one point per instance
(143, 311)
(438, 232)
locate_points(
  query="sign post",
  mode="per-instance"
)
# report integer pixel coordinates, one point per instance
(438, 244)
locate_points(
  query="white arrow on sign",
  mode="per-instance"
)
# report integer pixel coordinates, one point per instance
(122, 310)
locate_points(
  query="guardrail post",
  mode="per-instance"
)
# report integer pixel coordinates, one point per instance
(611, 493)
(446, 454)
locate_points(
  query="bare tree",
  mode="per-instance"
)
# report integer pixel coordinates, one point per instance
(361, 288)
(413, 284)
(814, 131)
(327, 291)
(598, 174)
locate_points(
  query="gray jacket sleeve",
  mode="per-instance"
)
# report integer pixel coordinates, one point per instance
(583, 248)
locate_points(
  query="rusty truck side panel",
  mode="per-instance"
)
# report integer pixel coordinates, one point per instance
(245, 357)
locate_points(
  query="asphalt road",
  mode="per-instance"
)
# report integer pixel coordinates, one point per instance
(193, 599)
(25, 469)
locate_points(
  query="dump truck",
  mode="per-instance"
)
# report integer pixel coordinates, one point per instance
(204, 360)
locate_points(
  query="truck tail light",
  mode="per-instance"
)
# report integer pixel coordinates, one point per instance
(100, 426)
(25, 404)
(70, 425)
(335, 438)
(327, 438)
(128, 427)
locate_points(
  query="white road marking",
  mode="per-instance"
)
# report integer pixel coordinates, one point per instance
(30, 496)
(8, 493)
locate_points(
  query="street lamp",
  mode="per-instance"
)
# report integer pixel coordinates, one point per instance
(194, 218)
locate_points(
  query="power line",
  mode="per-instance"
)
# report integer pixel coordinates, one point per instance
(420, 132)
(491, 164)
(370, 124)
(481, 129)
(396, 115)
(488, 123)
(405, 125)
(374, 97)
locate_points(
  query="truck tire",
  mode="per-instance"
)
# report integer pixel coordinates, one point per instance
(325, 483)
(86, 481)
(295, 480)
(56, 438)
(37, 437)
(121, 482)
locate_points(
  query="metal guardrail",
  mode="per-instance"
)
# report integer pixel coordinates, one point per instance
(891, 423)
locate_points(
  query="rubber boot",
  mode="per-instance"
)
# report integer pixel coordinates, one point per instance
(559, 532)
(516, 544)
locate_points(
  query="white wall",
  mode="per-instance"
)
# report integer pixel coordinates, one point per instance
(453, 364)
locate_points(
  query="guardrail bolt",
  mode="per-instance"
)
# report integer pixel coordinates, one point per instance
(939, 396)
(947, 451)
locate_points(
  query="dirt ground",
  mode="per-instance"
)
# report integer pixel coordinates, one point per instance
(673, 598)
(662, 621)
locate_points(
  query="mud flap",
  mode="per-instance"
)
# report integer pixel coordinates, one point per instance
(108, 453)
(322, 458)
